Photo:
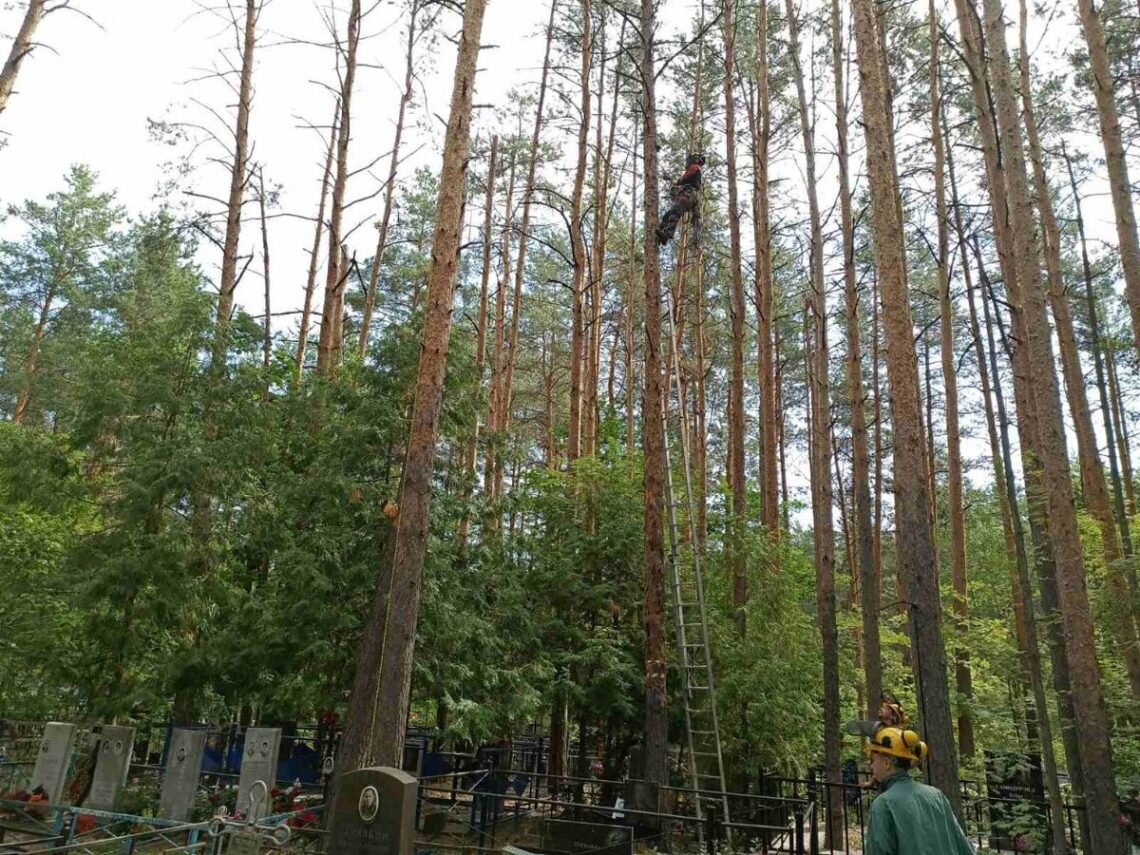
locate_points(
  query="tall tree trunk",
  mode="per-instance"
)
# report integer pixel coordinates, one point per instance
(1022, 594)
(820, 462)
(390, 184)
(336, 275)
(1076, 617)
(653, 428)
(1115, 157)
(630, 416)
(1121, 426)
(915, 551)
(578, 246)
(22, 46)
(493, 462)
(876, 383)
(31, 361)
(267, 324)
(1044, 560)
(315, 251)
(1096, 345)
(239, 176)
(765, 302)
(1094, 486)
(956, 510)
(378, 707)
(739, 559)
(524, 232)
(472, 452)
(860, 453)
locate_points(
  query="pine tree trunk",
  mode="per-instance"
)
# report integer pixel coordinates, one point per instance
(267, 324)
(524, 233)
(630, 416)
(820, 462)
(1043, 554)
(578, 247)
(1051, 445)
(1121, 428)
(653, 428)
(1094, 486)
(22, 46)
(956, 510)
(315, 251)
(32, 359)
(493, 459)
(378, 707)
(1115, 156)
(239, 175)
(765, 302)
(1095, 344)
(737, 485)
(472, 451)
(915, 548)
(336, 274)
(390, 184)
(860, 453)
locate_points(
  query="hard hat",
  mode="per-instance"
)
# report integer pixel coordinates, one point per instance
(895, 742)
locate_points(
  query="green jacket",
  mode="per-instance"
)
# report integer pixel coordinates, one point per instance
(909, 818)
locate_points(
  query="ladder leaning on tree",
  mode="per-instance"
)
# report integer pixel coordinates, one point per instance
(702, 730)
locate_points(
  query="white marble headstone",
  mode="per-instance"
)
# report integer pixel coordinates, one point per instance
(54, 759)
(183, 768)
(258, 763)
(116, 745)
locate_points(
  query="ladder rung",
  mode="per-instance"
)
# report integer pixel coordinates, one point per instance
(698, 688)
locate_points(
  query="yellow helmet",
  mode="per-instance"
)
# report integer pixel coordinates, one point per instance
(896, 742)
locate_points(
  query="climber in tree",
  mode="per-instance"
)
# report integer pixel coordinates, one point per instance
(686, 197)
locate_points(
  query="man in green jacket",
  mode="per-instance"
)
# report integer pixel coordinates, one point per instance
(908, 818)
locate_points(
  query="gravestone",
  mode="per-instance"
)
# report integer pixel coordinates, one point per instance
(258, 763)
(1015, 790)
(183, 767)
(374, 813)
(116, 745)
(53, 760)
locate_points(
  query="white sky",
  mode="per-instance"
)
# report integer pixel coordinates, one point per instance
(88, 99)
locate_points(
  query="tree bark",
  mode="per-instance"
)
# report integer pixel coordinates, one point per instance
(765, 302)
(578, 246)
(653, 429)
(737, 485)
(1096, 346)
(336, 274)
(524, 231)
(860, 453)
(1121, 428)
(22, 46)
(1076, 617)
(493, 461)
(472, 452)
(267, 322)
(1115, 157)
(915, 548)
(239, 176)
(31, 361)
(390, 184)
(378, 708)
(823, 528)
(315, 251)
(956, 510)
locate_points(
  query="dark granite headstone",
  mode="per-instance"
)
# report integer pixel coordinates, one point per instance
(374, 813)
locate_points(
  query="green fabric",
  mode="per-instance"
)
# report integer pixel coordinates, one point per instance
(909, 818)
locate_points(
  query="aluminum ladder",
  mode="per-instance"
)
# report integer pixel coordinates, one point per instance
(702, 729)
